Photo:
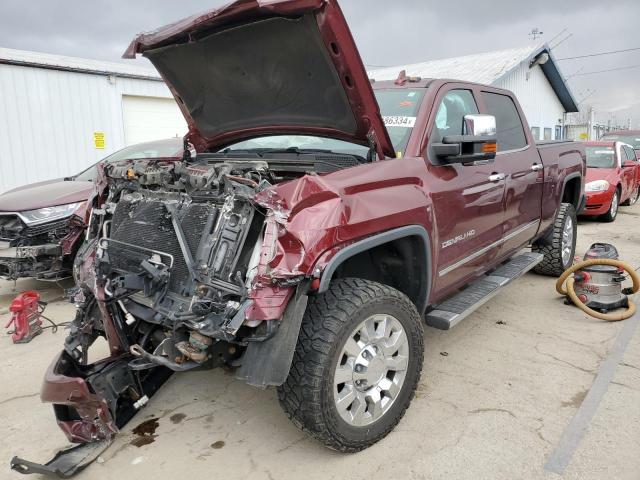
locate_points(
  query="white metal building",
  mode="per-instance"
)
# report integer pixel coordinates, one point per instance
(529, 72)
(59, 115)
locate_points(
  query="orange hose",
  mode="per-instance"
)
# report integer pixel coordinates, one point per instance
(570, 292)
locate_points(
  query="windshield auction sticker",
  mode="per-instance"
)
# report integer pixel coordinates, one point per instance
(399, 121)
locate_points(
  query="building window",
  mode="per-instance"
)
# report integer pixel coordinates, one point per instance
(535, 131)
(547, 134)
(509, 129)
(558, 132)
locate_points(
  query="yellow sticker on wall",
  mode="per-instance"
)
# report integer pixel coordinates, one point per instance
(98, 140)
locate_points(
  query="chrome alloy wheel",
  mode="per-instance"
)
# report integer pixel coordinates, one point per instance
(567, 241)
(371, 370)
(634, 196)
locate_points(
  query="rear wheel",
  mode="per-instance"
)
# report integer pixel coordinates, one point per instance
(356, 365)
(559, 244)
(633, 199)
(611, 215)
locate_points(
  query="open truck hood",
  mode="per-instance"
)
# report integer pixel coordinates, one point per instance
(259, 67)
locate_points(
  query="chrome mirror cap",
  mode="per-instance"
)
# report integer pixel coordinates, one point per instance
(480, 125)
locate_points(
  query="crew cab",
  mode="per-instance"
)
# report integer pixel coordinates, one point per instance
(314, 224)
(612, 178)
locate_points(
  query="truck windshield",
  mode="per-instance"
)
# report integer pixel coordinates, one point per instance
(398, 108)
(633, 140)
(601, 157)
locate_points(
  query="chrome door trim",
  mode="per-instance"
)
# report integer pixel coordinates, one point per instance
(484, 250)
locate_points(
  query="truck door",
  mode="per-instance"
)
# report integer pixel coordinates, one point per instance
(467, 199)
(519, 161)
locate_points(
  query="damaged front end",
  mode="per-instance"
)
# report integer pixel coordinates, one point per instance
(208, 261)
(41, 249)
(176, 274)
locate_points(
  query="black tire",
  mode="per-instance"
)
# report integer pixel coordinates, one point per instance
(551, 245)
(611, 215)
(307, 395)
(633, 198)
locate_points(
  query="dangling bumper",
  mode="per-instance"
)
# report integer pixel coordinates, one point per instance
(91, 404)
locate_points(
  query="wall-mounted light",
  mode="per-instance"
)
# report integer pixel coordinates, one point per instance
(539, 60)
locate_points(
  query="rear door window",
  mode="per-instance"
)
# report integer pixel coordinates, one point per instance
(509, 129)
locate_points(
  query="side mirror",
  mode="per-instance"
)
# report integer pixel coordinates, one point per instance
(629, 164)
(476, 144)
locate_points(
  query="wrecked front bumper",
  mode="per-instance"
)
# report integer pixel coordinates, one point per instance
(43, 251)
(82, 415)
(91, 403)
(40, 261)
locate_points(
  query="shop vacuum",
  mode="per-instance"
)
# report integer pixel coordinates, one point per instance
(596, 285)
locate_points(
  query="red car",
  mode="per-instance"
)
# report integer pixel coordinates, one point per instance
(611, 178)
(631, 137)
(41, 224)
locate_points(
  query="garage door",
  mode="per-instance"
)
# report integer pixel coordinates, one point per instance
(151, 118)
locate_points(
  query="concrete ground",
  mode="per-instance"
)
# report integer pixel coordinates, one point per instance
(496, 394)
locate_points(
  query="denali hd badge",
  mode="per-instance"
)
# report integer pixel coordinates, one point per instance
(458, 238)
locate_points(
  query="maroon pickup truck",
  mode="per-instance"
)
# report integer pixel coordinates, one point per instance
(312, 229)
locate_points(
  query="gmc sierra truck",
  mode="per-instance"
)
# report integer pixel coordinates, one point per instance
(315, 222)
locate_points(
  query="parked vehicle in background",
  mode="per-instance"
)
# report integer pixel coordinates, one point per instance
(631, 152)
(310, 234)
(612, 178)
(628, 158)
(631, 137)
(41, 224)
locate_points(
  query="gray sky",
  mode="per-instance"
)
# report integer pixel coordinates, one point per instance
(387, 33)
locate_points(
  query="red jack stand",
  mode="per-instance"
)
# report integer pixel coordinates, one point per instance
(25, 317)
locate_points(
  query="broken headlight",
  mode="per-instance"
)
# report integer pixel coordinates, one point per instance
(47, 214)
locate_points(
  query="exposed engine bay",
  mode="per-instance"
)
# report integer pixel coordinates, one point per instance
(178, 246)
(177, 251)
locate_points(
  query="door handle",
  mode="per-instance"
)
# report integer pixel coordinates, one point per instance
(496, 177)
(536, 167)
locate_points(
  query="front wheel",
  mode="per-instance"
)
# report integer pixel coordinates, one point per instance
(356, 365)
(612, 213)
(559, 244)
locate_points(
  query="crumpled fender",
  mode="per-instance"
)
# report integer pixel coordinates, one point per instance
(310, 219)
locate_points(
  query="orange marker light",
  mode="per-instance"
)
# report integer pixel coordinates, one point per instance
(489, 147)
